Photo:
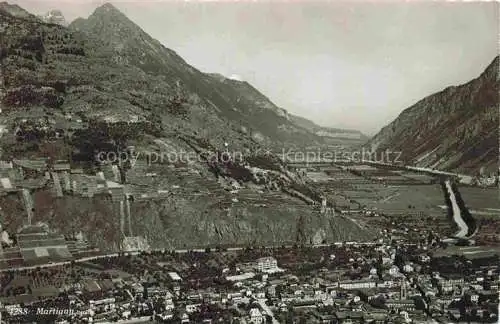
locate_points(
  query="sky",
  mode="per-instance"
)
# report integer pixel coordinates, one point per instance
(352, 64)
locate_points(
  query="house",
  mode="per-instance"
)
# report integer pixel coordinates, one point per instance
(408, 268)
(169, 304)
(60, 166)
(267, 264)
(394, 271)
(357, 284)
(234, 296)
(256, 316)
(401, 305)
(6, 165)
(448, 285)
(6, 184)
(191, 308)
(33, 167)
(241, 277)
(167, 315)
(107, 304)
(185, 318)
(386, 283)
(174, 276)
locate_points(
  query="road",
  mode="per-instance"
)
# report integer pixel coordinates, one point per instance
(262, 303)
(181, 251)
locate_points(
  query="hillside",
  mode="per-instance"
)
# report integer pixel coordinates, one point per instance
(455, 129)
(248, 111)
(104, 85)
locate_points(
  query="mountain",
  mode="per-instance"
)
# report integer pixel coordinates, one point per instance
(455, 129)
(111, 33)
(103, 86)
(329, 133)
(15, 10)
(54, 17)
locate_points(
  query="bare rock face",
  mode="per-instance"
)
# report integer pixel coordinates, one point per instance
(455, 129)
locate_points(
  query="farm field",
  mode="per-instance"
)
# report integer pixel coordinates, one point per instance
(406, 197)
(481, 199)
(422, 198)
(415, 199)
(368, 192)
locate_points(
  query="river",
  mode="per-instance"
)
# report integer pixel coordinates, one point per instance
(457, 214)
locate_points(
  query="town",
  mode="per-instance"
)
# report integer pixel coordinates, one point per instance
(391, 280)
(138, 188)
(407, 273)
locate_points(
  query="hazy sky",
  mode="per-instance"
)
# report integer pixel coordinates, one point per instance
(354, 65)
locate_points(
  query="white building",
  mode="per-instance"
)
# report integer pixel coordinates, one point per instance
(191, 308)
(174, 276)
(266, 264)
(357, 284)
(408, 268)
(451, 284)
(256, 316)
(241, 277)
(394, 271)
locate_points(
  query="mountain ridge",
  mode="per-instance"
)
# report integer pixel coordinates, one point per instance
(455, 129)
(128, 43)
(244, 91)
(329, 132)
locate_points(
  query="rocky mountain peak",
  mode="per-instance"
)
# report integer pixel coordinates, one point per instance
(107, 7)
(109, 23)
(109, 11)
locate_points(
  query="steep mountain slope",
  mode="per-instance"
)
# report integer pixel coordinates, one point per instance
(104, 85)
(247, 110)
(455, 129)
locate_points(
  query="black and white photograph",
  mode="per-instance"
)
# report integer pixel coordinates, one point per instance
(249, 162)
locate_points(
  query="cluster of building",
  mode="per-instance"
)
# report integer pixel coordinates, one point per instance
(344, 283)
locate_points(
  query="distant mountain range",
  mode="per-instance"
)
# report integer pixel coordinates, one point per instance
(456, 129)
(329, 133)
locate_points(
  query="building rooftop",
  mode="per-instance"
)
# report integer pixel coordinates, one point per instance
(174, 276)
